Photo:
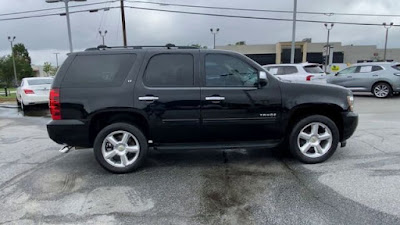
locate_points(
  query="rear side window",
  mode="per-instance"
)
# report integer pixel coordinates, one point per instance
(98, 70)
(290, 70)
(376, 68)
(276, 70)
(170, 70)
(397, 67)
(313, 69)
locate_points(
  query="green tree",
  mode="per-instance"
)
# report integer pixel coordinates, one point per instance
(49, 69)
(240, 43)
(22, 61)
(6, 71)
(22, 64)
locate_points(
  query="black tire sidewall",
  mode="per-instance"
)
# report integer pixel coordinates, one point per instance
(125, 127)
(294, 149)
(383, 83)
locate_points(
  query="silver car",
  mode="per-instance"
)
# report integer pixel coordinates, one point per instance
(380, 78)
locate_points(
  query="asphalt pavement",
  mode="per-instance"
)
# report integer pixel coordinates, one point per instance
(358, 185)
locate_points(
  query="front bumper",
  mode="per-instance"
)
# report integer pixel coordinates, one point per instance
(350, 122)
(69, 132)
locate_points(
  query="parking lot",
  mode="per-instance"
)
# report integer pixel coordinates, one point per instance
(358, 185)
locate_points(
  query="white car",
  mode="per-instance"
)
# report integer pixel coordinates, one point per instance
(302, 72)
(34, 90)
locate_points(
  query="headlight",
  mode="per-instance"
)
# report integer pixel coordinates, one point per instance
(350, 101)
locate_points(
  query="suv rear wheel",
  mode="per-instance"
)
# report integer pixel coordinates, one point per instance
(314, 139)
(120, 148)
(382, 90)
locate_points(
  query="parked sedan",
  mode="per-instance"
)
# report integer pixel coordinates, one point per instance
(33, 90)
(380, 78)
(302, 72)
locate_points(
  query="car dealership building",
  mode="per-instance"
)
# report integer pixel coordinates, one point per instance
(306, 51)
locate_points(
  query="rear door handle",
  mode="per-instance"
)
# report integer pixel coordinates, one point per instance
(375, 75)
(148, 98)
(215, 98)
(349, 76)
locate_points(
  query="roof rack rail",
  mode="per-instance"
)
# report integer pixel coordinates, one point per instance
(168, 46)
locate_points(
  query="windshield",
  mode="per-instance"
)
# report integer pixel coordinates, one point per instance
(313, 69)
(39, 81)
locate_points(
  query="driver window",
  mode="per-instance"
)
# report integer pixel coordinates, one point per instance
(228, 71)
(348, 70)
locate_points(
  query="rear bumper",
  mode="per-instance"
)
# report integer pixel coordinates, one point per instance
(350, 122)
(69, 132)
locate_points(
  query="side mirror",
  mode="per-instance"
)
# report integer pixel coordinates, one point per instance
(262, 78)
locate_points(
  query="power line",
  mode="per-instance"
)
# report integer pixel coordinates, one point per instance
(261, 10)
(200, 13)
(56, 14)
(254, 17)
(55, 8)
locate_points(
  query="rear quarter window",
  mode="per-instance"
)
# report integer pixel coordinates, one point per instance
(98, 70)
(313, 69)
(397, 67)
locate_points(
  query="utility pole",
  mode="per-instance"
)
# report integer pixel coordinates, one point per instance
(293, 33)
(56, 58)
(214, 32)
(123, 22)
(71, 49)
(11, 40)
(328, 47)
(103, 35)
(387, 27)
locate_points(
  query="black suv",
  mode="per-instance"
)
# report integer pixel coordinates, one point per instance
(123, 101)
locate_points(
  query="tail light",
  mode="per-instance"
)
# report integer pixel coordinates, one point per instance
(308, 78)
(54, 104)
(29, 91)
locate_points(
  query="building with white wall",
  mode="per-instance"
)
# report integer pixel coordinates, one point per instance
(313, 52)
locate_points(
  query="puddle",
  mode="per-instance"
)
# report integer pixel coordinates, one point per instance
(12, 111)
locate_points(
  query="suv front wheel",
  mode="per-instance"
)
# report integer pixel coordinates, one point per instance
(120, 148)
(314, 139)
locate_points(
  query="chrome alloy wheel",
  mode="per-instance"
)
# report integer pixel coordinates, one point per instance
(314, 140)
(381, 90)
(120, 148)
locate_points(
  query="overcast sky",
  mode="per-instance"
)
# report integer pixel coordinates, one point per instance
(44, 36)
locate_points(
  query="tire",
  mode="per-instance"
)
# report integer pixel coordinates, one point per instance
(124, 156)
(382, 90)
(319, 149)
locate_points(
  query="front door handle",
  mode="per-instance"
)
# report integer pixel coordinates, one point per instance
(349, 76)
(148, 98)
(215, 98)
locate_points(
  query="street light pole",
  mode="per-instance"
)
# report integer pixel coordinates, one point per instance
(103, 35)
(328, 47)
(387, 27)
(68, 20)
(214, 32)
(11, 40)
(56, 58)
(293, 33)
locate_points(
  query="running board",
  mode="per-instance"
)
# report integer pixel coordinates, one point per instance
(217, 145)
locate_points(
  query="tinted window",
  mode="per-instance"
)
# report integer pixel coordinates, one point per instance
(170, 70)
(290, 70)
(348, 70)
(397, 67)
(376, 68)
(98, 70)
(313, 69)
(224, 70)
(39, 81)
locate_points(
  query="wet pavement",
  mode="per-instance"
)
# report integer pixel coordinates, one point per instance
(358, 185)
